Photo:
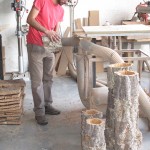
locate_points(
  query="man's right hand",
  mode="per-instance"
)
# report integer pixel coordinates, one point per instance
(52, 35)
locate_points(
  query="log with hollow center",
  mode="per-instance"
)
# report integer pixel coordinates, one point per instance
(94, 135)
(88, 114)
(124, 124)
(110, 124)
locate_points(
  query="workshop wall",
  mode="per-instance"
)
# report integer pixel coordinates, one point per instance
(110, 10)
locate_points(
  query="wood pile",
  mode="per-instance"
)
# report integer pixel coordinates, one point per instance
(11, 101)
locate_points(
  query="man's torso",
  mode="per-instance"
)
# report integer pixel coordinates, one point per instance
(49, 15)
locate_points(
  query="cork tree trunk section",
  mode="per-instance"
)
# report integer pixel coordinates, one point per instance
(126, 92)
(114, 68)
(88, 114)
(109, 131)
(94, 135)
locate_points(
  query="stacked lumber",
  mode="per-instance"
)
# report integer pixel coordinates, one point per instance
(11, 101)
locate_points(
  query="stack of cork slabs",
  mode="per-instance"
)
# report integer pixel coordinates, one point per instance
(11, 101)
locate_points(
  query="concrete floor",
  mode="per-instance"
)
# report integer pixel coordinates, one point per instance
(62, 132)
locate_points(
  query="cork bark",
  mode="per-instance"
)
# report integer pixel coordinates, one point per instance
(109, 131)
(125, 133)
(94, 135)
(88, 114)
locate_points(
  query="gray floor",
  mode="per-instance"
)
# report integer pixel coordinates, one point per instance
(62, 132)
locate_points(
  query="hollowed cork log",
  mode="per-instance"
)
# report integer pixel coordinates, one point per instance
(109, 127)
(88, 114)
(94, 135)
(113, 68)
(126, 135)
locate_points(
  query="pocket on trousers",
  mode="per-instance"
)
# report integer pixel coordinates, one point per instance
(37, 52)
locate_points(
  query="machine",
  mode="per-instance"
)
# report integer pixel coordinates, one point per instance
(142, 11)
(72, 4)
(19, 6)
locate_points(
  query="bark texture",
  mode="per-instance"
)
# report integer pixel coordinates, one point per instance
(109, 131)
(125, 134)
(88, 114)
(94, 135)
(114, 68)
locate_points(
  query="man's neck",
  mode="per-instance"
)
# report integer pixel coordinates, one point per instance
(55, 2)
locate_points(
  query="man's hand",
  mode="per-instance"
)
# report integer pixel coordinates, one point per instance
(52, 35)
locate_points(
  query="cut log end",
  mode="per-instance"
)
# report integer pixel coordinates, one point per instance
(126, 73)
(94, 121)
(120, 65)
(91, 112)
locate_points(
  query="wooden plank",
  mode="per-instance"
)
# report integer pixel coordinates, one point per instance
(78, 24)
(9, 91)
(66, 33)
(57, 57)
(79, 33)
(64, 60)
(131, 22)
(143, 39)
(135, 58)
(93, 18)
(117, 30)
(12, 83)
(85, 22)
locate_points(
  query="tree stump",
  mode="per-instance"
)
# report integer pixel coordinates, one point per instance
(87, 114)
(114, 68)
(109, 127)
(126, 110)
(94, 135)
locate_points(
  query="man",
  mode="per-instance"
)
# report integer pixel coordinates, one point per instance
(44, 19)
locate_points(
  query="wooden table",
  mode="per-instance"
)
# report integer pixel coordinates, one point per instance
(116, 30)
(139, 38)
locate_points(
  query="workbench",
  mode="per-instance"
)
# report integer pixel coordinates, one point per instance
(117, 31)
(114, 31)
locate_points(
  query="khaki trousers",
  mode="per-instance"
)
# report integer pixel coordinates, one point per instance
(41, 65)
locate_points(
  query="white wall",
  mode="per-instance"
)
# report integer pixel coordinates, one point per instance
(110, 10)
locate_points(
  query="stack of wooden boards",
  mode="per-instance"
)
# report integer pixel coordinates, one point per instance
(92, 20)
(11, 101)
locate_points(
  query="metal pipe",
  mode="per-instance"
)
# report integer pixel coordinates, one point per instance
(19, 37)
(71, 20)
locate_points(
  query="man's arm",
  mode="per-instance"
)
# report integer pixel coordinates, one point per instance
(57, 28)
(32, 22)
